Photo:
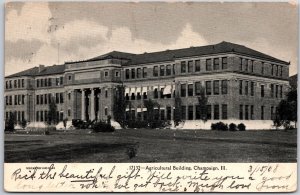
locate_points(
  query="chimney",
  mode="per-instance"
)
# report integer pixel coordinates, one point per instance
(41, 67)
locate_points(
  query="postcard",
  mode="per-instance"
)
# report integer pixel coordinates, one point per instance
(150, 96)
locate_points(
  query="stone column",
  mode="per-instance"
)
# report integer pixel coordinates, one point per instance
(92, 99)
(83, 104)
(99, 104)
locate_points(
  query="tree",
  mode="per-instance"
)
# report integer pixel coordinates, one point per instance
(177, 112)
(287, 110)
(10, 122)
(202, 100)
(150, 105)
(119, 106)
(52, 118)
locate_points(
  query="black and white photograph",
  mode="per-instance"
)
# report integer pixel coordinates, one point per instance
(150, 82)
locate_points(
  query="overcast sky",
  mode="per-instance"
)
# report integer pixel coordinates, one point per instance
(33, 31)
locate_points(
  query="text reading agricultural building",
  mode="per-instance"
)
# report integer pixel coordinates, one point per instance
(240, 83)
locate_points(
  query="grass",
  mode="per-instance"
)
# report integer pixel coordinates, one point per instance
(132, 145)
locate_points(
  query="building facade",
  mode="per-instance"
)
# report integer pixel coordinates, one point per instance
(240, 83)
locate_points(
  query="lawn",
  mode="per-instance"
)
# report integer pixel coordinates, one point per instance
(153, 146)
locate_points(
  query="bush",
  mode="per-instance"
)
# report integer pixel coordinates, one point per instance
(220, 126)
(80, 124)
(23, 124)
(136, 124)
(232, 127)
(241, 127)
(102, 127)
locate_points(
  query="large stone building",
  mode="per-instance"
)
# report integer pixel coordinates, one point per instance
(240, 83)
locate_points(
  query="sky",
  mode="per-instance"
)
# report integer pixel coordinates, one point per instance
(57, 32)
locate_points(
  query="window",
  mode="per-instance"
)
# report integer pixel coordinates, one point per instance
(105, 111)
(216, 112)
(168, 71)
(241, 112)
(49, 98)
(46, 99)
(139, 73)
(37, 116)
(190, 90)
(224, 87)
(106, 74)
(16, 100)
(216, 63)
(208, 64)
(138, 96)
(144, 72)
(247, 112)
(155, 71)
(49, 82)
(197, 66)
(272, 69)
(198, 112)
(272, 90)
(224, 63)
(37, 99)
(262, 91)
(15, 83)
(246, 65)
(69, 77)
(117, 74)
(144, 95)
(38, 83)
(280, 91)
(46, 82)
(183, 90)
(183, 112)
(168, 113)
(61, 80)
(155, 93)
(241, 87)
(162, 114)
(246, 87)
(106, 93)
(133, 73)
(276, 91)
(10, 100)
(174, 67)
(208, 112)
(69, 112)
(280, 72)
(183, 67)
(197, 88)
(216, 87)
(162, 70)
(61, 98)
(156, 114)
(57, 98)
(19, 83)
(224, 111)
(252, 88)
(6, 85)
(42, 116)
(127, 76)
(277, 70)
(252, 112)
(69, 96)
(262, 68)
(57, 81)
(262, 113)
(241, 64)
(190, 66)
(190, 112)
(208, 87)
(42, 82)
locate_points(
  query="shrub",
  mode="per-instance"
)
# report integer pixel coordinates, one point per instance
(23, 124)
(65, 122)
(220, 126)
(80, 124)
(102, 127)
(232, 127)
(10, 123)
(241, 127)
